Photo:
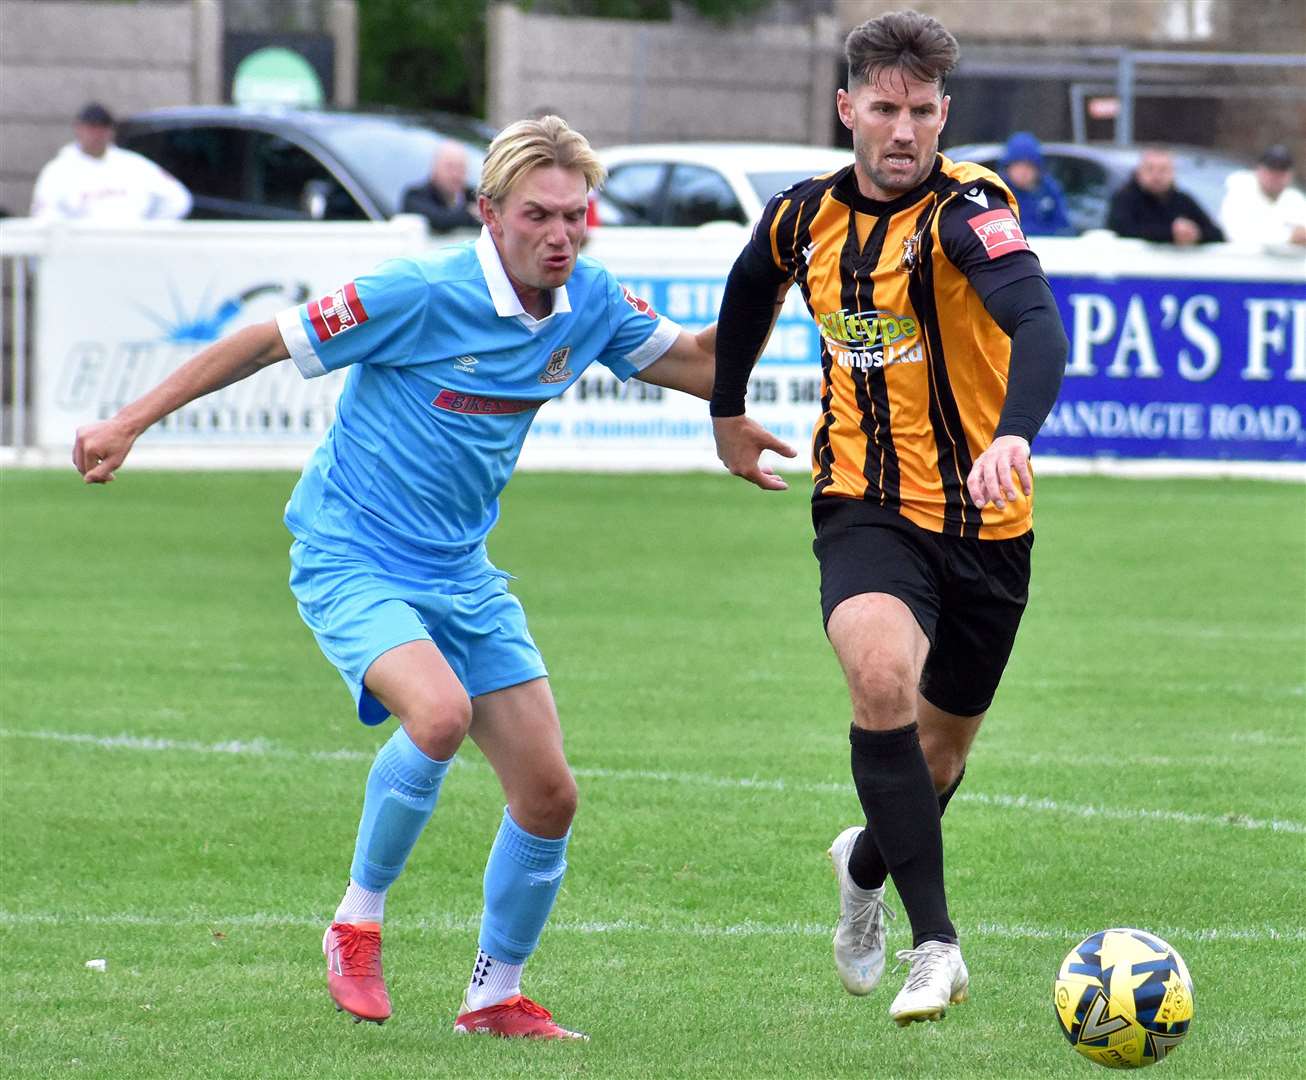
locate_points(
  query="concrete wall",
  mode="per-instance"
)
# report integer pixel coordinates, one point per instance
(621, 81)
(55, 55)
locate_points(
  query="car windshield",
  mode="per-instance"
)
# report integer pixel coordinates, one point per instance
(391, 155)
(767, 184)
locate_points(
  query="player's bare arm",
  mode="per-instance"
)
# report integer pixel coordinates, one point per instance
(101, 448)
(689, 365)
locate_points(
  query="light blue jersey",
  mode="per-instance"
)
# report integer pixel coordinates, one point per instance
(448, 371)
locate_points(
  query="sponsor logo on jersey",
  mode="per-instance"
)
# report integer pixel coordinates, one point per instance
(466, 364)
(870, 339)
(453, 401)
(336, 312)
(557, 370)
(639, 304)
(999, 232)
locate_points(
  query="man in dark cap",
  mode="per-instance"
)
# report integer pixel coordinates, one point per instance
(1150, 207)
(1261, 207)
(1039, 197)
(91, 179)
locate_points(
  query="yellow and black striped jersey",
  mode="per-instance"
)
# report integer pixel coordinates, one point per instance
(914, 369)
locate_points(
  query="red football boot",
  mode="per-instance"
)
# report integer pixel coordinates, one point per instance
(354, 979)
(517, 1018)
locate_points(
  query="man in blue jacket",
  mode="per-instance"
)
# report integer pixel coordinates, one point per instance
(1040, 198)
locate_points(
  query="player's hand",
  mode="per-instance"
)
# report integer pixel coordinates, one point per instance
(739, 444)
(101, 448)
(990, 479)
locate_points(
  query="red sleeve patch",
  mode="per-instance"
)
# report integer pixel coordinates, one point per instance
(999, 232)
(336, 312)
(640, 305)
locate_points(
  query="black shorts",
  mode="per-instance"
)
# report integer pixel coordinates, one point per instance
(968, 595)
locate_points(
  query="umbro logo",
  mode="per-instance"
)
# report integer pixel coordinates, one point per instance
(466, 364)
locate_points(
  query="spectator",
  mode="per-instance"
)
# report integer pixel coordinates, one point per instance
(1150, 207)
(1039, 198)
(1261, 206)
(443, 200)
(91, 179)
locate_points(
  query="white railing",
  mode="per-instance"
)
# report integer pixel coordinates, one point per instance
(21, 244)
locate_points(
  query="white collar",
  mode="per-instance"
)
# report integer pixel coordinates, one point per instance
(506, 301)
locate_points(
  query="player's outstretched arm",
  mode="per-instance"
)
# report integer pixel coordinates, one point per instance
(740, 441)
(689, 365)
(101, 448)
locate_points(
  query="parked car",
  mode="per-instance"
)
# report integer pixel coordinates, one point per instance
(688, 184)
(1091, 173)
(292, 164)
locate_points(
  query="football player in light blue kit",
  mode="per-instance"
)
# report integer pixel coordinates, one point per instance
(449, 357)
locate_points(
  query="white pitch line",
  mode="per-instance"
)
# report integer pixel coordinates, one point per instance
(469, 923)
(263, 748)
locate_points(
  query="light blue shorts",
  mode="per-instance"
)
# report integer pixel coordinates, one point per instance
(358, 610)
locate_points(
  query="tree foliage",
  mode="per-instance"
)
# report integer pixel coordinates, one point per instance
(430, 54)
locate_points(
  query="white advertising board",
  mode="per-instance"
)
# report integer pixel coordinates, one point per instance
(1176, 356)
(118, 309)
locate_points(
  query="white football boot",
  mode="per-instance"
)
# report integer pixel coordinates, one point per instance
(859, 933)
(938, 978)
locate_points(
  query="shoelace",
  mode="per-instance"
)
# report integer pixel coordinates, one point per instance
(532, 1009)
(924, 961)
(870, 929)
(360, 951)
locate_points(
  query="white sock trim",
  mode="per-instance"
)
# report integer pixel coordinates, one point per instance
(493, 981)
(361, 905)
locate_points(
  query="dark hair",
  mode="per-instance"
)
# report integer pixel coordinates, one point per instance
(916, 43)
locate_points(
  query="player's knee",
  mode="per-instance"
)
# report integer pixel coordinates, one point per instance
(883, 693)
(438, 725)
(549, 806)
(944, 757)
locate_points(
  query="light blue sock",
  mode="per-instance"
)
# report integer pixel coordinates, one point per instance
(401, 792)
(522, 879)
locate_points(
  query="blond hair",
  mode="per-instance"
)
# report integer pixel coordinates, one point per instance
(520, 147)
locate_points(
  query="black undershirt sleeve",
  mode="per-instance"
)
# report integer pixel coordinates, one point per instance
(747, 311)
(1027, 313)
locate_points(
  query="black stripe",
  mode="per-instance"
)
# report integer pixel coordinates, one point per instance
(880, 462)
(784, 234)
(807, 212)
(822, 447)
(960, 516)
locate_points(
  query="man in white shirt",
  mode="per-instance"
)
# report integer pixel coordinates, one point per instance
(91, 179)
(1261, 207)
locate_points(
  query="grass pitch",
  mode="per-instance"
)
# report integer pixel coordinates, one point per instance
(182, 774)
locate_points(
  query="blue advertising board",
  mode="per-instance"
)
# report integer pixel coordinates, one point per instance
(1180, 368)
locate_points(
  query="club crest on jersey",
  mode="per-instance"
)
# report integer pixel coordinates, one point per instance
(639, 304)
(999, 232)
(556, 370)
(336, 312)
(911, 252)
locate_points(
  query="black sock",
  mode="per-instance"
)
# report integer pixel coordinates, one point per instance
(897, 795)
(866, 864)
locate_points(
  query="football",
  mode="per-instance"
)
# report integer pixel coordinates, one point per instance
(1123, 998)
